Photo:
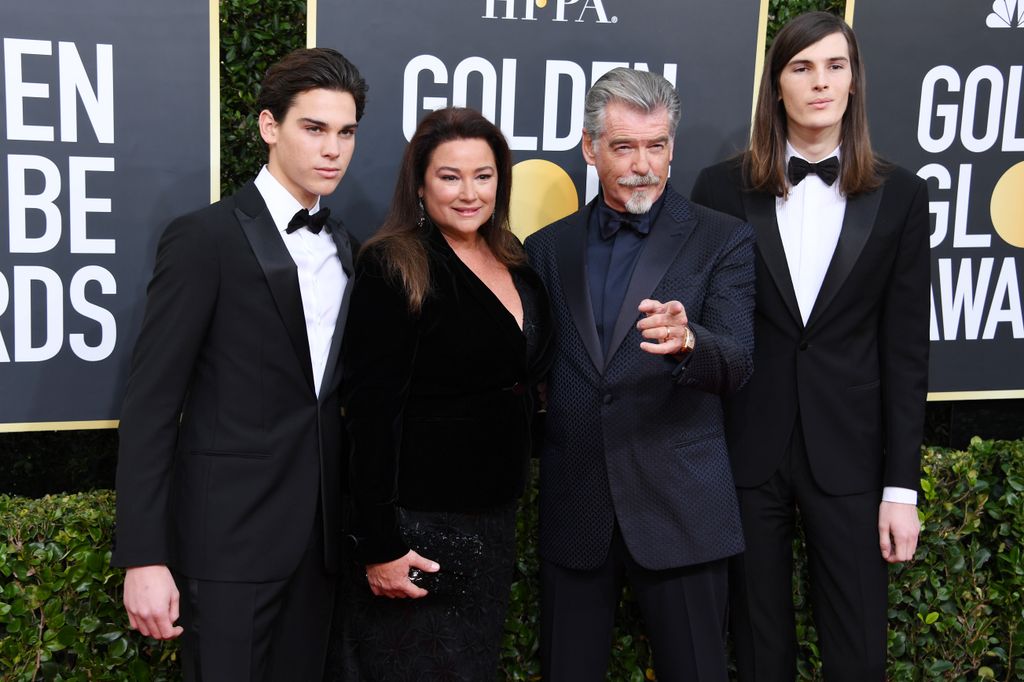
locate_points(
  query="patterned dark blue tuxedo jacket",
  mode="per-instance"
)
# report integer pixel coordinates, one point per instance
(635, 436)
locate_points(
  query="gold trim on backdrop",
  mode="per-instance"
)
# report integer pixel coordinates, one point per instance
(311, 23)
(975, 395)
(58, 426)
(762, 39)
(849, 11)
(214, 100)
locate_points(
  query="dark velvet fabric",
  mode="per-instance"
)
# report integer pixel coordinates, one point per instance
(438, 404)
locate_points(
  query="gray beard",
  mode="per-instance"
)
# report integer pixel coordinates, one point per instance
(640, 202)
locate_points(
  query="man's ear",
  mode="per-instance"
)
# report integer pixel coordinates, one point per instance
(588, 149)
(268, 127)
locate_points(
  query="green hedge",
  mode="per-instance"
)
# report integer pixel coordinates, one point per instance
(60, 604)
(956, 612)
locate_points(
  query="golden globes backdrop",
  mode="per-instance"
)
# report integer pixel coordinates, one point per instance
(105, 117)
(944, 80)
(527, 64)
(109, 129)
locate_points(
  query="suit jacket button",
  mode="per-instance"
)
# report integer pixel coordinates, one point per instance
(607, 399)
(803, 345)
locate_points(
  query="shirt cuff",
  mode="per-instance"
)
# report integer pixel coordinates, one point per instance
(900, 495)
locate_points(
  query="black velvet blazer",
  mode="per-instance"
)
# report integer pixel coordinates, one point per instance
(439, 404)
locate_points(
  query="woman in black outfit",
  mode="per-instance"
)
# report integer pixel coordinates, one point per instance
(447, 334)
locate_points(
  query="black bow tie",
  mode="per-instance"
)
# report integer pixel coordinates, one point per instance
(827, 170)
(315, 222)
(612, 222)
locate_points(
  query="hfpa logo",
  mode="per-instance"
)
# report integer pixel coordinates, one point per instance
(577, 11)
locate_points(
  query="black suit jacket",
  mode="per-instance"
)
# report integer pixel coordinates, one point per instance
(856, 373)
(639, 437)
(226, 451)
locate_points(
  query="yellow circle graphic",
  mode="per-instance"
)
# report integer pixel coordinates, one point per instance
(1007, 206)
(541, 194)
(542, 3)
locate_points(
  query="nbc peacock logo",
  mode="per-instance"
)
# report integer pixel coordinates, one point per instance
(1006, 14)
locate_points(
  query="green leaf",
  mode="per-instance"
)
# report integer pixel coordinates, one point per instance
(89, 623)
(119, 647)
(938, 667)
(67, 635)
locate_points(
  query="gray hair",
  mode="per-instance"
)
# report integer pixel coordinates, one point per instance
(642, 90)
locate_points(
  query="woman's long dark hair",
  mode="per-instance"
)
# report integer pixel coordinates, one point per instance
(765, 163)
(401, 239)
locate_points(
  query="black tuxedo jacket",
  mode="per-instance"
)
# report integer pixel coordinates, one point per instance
(226, 451)
(856, 373)
(636, 437)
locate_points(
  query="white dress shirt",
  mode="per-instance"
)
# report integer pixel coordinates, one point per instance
(810, 220)
(321, 278)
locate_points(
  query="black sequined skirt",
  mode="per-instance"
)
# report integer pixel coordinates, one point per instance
(454, 633)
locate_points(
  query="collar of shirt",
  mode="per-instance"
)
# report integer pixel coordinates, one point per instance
(281, 204)
(810, 220)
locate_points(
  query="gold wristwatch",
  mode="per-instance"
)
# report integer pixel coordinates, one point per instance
(689, 341)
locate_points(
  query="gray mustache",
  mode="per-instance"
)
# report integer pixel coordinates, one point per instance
(637, 180)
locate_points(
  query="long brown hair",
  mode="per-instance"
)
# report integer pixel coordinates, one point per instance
(402, 239)
(765, 163)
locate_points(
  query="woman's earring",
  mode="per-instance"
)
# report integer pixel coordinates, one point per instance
(423, 214)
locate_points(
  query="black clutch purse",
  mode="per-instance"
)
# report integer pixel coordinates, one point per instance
(459, 553)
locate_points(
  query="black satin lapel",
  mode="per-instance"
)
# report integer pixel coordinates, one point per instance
(858, 222)
(663, 243)
(571, 254)
(283, 280)
(341, 240)
(760, 212)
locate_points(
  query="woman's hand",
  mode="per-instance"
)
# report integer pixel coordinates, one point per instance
(391, 579)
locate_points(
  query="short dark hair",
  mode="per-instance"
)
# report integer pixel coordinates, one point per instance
(766, 160)
(309, 69)
(402, 237)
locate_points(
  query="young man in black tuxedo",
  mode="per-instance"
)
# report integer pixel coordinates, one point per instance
(231, 455)
(653, 301)
(832, 419)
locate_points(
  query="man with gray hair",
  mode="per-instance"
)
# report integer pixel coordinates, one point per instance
(653, 301)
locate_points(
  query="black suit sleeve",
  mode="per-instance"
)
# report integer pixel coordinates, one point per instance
(903, 345)
(180, 302)
(379, 352)
(722, 360)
